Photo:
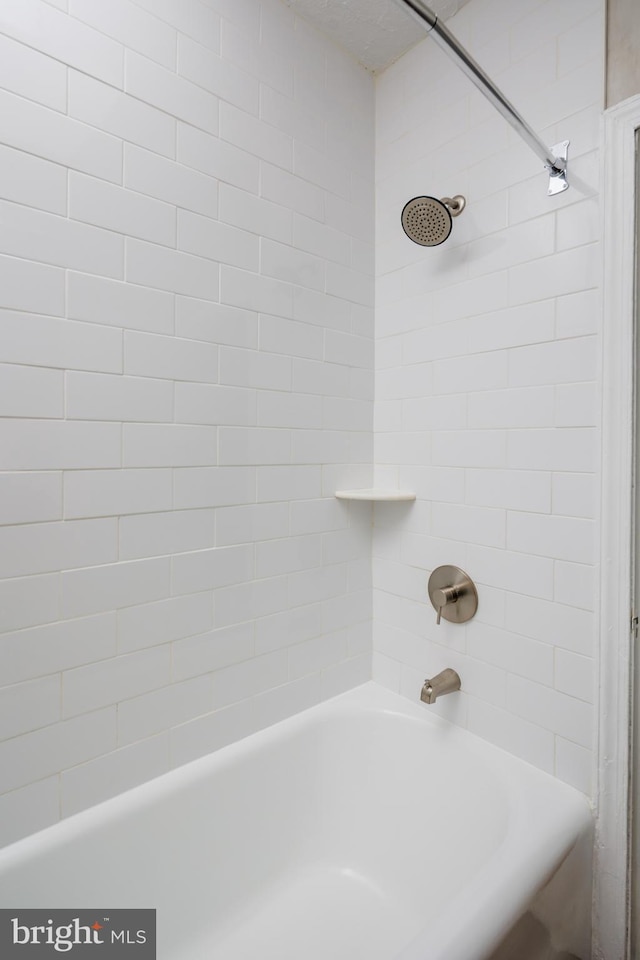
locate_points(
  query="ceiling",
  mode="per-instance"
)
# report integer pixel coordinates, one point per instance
(376, 32)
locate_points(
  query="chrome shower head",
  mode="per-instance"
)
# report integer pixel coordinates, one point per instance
(427, 221)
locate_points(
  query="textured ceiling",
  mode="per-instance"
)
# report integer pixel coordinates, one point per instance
(376, 32)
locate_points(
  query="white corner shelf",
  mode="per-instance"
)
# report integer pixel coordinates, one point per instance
(376, 494)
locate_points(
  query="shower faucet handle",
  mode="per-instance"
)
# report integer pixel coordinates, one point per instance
(441, 596)
(453, 594)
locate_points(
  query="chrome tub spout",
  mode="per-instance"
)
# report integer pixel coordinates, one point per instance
(447, 681)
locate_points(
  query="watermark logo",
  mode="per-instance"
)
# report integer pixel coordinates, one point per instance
(82, 934)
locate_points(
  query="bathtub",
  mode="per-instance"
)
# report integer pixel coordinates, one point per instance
(365, 828)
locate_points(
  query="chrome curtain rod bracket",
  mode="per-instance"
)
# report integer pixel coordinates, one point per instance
(555, 160)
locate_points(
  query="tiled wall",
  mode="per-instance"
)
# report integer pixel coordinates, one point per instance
(487, 357)
(186, 277)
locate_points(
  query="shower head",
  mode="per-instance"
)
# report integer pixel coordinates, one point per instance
(427, 221)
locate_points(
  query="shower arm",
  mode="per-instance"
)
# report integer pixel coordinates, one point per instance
(554, 159)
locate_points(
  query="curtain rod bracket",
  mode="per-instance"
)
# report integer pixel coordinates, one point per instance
(558, 169)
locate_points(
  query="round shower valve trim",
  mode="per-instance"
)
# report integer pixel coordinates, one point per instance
(453, 594)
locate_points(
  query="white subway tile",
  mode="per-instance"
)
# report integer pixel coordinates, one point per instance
(252, 368)
(217, 158)
(512, 571)
(578, 314)
(525, 739)
(311, 306)
(288, 190)
(244, 446)
(519, 407)
(250, 601)
(289, 337)
(58, 445)
(216, 322)
(277, 409)
(123, 211)
(113, 586)
(112, 111)
(251, 522)
(109, 681)
(221, 77)
(90, 783)
(287, 627)
(199, 655)
(45, 752)
(469, 448)
(42, 236)
(54, 647)
(213, 404)
(34, 129)
(171, 358)
(286, 263)
(30, 497)
(171, 270)
(563, 361)
(195, 19)
(126, 22)
(286, 700)
(202, 736)
(171, 445)
(511, 489)
(288, 555)
(209, 238)
(159, 710)
(568, 272)
(118, 304)
(346, 348)
(563, 538)
(214, 486)
(90, 493)
(31, 74)
(243, 680)
(255, 137)
(255, 214)
(158, 177)
(99, 396)
(577, 405)
(484, 371)
(28, 601)
(575, 495)
(575, 675)
(268, 61)
(31, 392)
(208, 569)
(157, 534)
(63, 38)
(469, 524)
(30, 705)
(575, 584)
(563, 449)
(32, 181)
(564, 626)
(32, 808)
(170, 93)
(554, 711)
(575, 765)
(31, 286)
(346, 675)
(46, 341)
(514, 653)
(32, 548)
(151, 624)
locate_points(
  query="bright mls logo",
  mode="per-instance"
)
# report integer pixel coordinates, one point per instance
(32, 934)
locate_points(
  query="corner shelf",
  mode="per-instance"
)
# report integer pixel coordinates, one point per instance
(376, 494)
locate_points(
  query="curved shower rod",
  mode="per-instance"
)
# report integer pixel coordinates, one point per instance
(554, 159)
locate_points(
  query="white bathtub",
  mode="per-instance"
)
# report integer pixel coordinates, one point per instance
(362, 829)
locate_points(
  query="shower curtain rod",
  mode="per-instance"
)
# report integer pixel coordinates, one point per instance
(554, 159)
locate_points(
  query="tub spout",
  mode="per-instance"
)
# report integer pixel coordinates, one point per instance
(447, 681)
